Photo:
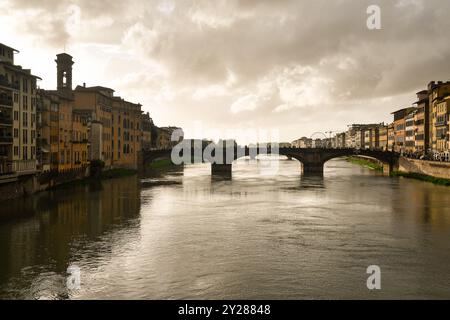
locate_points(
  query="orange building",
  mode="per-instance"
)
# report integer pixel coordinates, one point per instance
(437, 91)
(126, 133)
(62, 131)
(116, 137)
(400, 129)
(99, 101)
(79, 139)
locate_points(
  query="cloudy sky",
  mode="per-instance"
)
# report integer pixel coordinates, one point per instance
(238, 66)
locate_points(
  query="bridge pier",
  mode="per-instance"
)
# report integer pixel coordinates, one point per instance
(223, 170)
(312, 168)
(387, 169)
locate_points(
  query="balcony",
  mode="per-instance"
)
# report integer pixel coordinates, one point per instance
(6, 121)
(6, 167)
(24, 166)
(6, 140)
(6, 101)
(5, 83)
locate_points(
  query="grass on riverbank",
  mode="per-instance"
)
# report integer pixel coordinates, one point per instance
(421, 177)
(161, 164)
(371, 164)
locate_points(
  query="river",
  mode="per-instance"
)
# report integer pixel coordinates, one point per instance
(256, 236)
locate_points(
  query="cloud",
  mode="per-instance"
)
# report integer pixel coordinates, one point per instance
(296, 61)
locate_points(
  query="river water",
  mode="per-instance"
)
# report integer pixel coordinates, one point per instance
(266, 234)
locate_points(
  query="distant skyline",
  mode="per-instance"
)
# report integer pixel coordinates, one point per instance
(295, 67)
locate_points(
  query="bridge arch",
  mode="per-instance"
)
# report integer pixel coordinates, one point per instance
(312, 159)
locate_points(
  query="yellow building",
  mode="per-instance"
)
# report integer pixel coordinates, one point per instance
(419, 131)
(62, 130)
(17, 115)
(437, 91)
(440, 121)
(126, 133)
(383, 137)
(47, 130)
(116, 126)
(99, 101)
(79, 139)
(410, 131)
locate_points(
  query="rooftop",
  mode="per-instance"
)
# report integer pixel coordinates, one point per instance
(5, 46)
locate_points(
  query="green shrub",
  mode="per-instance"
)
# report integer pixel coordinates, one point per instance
(421, 177)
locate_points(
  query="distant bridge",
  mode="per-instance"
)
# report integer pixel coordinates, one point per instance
(312, 159)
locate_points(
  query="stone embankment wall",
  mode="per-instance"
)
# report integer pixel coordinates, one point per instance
(430, 168)
(19, 186)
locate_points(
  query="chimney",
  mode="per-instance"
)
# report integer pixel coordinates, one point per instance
(84, 84)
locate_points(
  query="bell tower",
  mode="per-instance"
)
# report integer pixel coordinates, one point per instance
(64, 65)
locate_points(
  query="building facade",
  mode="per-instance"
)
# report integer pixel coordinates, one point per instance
(146, 135)
(400, 129)
(383, 137)
(410, 141)
(422, 122)
(126, 133)
(17, 115)
(437, 92)
(63, 142)
(164, 137)
(115, 126)
(391, 136)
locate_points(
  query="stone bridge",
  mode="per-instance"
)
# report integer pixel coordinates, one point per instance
(312, 159)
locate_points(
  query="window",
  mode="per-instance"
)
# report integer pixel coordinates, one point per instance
(25, 85)
(25, 136)
(16, 151)
(25, 102)
(16, 115)
(16, 98)
(25, 153)
(25, 119)
(16, 133)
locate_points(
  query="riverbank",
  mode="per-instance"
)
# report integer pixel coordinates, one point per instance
(422, 177)
(365, 162)
(104, 175)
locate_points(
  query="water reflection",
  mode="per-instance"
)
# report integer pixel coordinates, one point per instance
(35, 252)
